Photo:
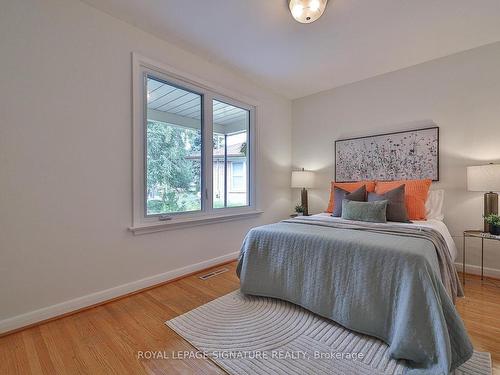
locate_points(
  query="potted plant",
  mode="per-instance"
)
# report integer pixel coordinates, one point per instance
(299, 210)
(494, 221)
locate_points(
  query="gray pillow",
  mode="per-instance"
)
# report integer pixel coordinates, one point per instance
(340, 194)
(396, 206)
(374, 212)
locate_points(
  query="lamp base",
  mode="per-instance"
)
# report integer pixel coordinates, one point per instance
(303, 199)
(490, 207)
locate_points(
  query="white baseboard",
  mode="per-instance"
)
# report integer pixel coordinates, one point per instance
(65, 307)
(476, 270)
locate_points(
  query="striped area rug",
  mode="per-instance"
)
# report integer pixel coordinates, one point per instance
(257, 335)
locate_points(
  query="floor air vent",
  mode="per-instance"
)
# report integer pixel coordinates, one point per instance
(213, 273)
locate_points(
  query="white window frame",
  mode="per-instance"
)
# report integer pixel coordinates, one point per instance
(146, 224)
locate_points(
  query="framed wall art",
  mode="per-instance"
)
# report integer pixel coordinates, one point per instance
(405, 155)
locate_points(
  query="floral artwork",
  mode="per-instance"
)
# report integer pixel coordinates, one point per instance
(396, 156)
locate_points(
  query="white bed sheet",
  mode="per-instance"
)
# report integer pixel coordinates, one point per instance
(434, 224)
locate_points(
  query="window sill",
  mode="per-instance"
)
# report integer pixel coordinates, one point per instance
(186, 222)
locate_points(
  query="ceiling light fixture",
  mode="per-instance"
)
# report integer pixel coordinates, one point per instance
(307, 11)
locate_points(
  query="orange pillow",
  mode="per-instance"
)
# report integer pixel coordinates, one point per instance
(416, 192)
(350, 187)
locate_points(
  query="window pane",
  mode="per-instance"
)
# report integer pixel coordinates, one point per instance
(230, 155)
(173, 149)
(238, 176)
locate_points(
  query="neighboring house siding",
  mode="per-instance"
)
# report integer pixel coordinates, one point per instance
(236, 189)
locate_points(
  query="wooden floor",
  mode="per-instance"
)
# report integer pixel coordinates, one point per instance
(107, 339)
(480, 310)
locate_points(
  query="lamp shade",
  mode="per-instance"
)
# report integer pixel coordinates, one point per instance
(483, 178)
(302, 179)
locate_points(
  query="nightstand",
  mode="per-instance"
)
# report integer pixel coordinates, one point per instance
(483, 236)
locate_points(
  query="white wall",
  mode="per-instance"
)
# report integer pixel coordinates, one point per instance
(460, 93)
(65, 154)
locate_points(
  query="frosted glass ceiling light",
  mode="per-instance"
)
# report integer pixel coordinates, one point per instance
(307, 11)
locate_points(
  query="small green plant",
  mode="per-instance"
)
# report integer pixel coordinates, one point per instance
(299, 209)
(493, 219)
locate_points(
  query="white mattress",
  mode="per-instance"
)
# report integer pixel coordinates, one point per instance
(434, 224)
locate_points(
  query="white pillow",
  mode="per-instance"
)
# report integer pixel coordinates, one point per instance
(434, 205)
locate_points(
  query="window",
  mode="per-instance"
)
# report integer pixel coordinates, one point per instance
(193, 150)
(173, 148)
(230, 133)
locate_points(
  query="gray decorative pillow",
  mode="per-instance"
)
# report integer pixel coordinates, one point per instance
(340, 194)
(374, 212)
(396, 206)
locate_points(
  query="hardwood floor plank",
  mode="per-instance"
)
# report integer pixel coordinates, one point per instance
(109, 339)
(20, 359)
(42, 353)
(62, 349)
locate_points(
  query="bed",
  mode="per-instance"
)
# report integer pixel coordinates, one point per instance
(393, 281)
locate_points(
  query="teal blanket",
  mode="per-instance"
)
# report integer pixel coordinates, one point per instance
(396, 284)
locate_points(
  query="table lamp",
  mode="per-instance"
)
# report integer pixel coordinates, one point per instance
(485, 178)
(303, 179)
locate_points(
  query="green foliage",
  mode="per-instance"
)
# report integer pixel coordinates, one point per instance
(173, 179)
(299, 208)
(218, 141)
(243, 148)
(155, 206)
(493, 219)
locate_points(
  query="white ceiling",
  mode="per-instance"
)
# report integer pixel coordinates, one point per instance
(353, 40)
